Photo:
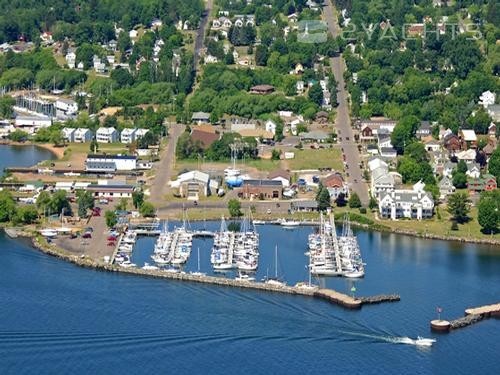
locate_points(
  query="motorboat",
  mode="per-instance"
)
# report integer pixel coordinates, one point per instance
(149, 267)
(48, 233)
(159, 259)
(223, 266)
(259, 222)
(127, 264)
(171, 270)
(244, 277)
(421, 341)
(289, 223)
(357, 273)
(275, 282)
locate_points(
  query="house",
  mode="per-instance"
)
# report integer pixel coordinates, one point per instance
(67, 107)
(83, 135)
(5, 128)
(46, 38)
(205, 138)
(31, 124)
(105, 190)
(293, 17)
(467, 156)
(133, 34)
(240, 124)
(469, 137)
(128, 135)
(106, 135)
(314, 136)
(487, 98)
(194, 184)
(448, 168)
(381, 181)
(494, 112)
(257, 134)
(388, 152)
(304, 206)
(112, 45)
(335, 185)
(299, 69)
(300, 87)
(200, 117)
(445, 187)
(262, 89)
(492, 130)
(473, 170)
(452, 143)
(110, 163)
(261, 189)
(71, 59)
(156, 23)
(489, 148)
(377, 163)
(424, 130)
(68, 134)
(432, 145)
(487, 182)
(412, 204)
(270, 126)
(321, 117)
(280, 175)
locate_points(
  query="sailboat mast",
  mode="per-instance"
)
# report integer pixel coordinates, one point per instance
(276, 262)
(198, 259)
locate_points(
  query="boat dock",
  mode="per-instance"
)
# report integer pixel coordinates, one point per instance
(472, 316)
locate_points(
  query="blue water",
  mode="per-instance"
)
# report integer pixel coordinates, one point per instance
(22, 156)
(58, 318)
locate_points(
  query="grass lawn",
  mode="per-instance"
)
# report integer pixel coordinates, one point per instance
(314, 159)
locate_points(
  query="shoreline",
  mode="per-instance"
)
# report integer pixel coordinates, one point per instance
(58, 152)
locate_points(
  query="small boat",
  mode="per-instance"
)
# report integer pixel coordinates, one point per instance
(244, 277)
(223, 267)
(171, 270)
(198, 273)
(127, 264)
(275, 281)
(354, 274)
(149, 267)
(421, 341)
(259, 222)
(289, 223)
(48, 232)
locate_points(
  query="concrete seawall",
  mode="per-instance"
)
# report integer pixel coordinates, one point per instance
(329, 295)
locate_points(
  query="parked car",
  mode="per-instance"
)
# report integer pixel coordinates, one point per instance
(87, 235)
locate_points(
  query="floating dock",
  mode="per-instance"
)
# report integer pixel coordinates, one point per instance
(472, 315)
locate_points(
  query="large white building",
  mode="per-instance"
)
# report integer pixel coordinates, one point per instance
(66, 107)
(106, 135)
(194, 184)
(110, 163)
(68, 134)
(31, 124)
(131, 135)
(411, 204)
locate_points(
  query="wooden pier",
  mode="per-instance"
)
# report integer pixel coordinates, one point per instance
(472, 316)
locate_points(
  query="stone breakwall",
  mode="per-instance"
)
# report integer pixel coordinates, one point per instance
(326, 294)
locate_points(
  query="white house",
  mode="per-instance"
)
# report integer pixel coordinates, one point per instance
(128, 135)
(448, 168)
(71, 59)
(300, 87)
(412, 204)
(280, 175)
(270, 126)
(487, 98)
(6, 128)
(140, 133)
(473, 170)
(381, 181)
(68, 134)
(67, 106)
(133, 34)
(445, 187)
(106, 135)
(31, 124)
(82, 135)
(110, 163)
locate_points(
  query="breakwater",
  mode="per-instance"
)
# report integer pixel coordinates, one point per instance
(472, 316)
(330, 295)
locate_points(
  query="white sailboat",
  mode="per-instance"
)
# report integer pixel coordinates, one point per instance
(275, 281)
(198, 273)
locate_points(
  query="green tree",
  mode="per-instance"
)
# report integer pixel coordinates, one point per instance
(122, 204)
(494, 164)
(94, 146)
(459, 180)
(316, 94)
(147, 209)
(354, 201)
(85, 202)
(6, 104)
(18, 136)
(111, 218)
(137, 198)
(461, 167)
(275, 155)
(26, 215)
(373, 203)
(459, 207)
(43, 202)
(341, 201)
(417, 152)
(489, 211)
(404, 133)
(234, 207)
(58, 202)
(7, 206)
(323, 198)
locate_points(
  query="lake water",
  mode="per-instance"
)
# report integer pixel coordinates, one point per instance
(22, 156)
(59, 318)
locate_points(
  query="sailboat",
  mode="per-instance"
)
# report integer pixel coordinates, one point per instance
(275, 281)
(198, 273)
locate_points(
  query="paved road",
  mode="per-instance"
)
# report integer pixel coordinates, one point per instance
(343, 120)
(165, 166)
(200, 36)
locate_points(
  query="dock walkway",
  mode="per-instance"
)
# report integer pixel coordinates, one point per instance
(472, 316)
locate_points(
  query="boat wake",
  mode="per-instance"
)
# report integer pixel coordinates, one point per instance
(419, 341)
